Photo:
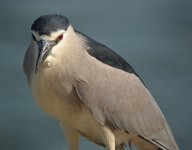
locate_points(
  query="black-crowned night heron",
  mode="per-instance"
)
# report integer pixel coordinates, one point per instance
(91, 90)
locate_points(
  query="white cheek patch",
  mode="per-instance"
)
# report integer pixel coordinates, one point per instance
(53, 51)
(49, 61)
(52, 57)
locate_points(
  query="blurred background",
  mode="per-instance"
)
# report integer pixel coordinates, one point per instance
(154, 36)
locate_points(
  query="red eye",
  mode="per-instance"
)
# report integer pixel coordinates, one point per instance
(59, 38)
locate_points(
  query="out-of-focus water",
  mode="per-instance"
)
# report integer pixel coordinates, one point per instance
(154, 36)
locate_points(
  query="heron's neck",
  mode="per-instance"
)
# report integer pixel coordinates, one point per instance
(66, 57)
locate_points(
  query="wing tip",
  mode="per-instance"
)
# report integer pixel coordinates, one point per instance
(160, 145)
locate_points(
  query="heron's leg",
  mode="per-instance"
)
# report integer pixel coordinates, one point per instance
(108, 138)
(72, 137)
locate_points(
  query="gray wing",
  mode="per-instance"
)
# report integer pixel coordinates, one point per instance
(107, 55)
(119, 99)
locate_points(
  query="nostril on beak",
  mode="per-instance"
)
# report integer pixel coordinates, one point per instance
(42, 45)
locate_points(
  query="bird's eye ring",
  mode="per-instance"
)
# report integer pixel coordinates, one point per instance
(59, 38)
(34, 38)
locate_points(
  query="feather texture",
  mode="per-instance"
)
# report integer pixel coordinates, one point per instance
(116, 96)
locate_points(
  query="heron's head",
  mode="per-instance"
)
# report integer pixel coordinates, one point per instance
(48, 32)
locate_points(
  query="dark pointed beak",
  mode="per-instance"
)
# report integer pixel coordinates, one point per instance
(44, 48)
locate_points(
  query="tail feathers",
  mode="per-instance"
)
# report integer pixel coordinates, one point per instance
(159, 145)
(145, 144)
(164, 140)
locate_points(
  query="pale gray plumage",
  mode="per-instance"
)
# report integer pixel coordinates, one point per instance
(91, 90)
